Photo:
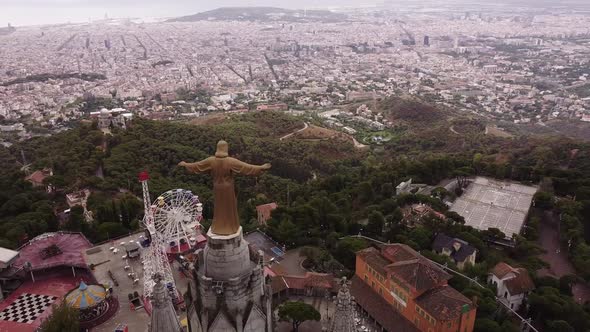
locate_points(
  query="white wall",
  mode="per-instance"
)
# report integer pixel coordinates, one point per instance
(513, 301)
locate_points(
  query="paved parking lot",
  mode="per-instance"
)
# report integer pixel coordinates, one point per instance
(104, 260)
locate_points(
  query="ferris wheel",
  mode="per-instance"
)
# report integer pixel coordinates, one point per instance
(176, 216)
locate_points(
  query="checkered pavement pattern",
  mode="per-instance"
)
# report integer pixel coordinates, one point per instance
(26, 308)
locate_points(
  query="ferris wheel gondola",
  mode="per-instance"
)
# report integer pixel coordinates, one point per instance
(176, 217)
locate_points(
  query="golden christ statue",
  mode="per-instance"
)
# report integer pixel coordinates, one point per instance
(222, 169)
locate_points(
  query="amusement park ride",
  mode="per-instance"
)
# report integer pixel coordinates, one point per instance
(172, 222)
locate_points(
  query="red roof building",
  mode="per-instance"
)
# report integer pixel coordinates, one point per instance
(512, 284)
(311, 284)
(264, 212)
(272, 107)
(46, 268)
(52, 250)
(415, 290)
(38, 177)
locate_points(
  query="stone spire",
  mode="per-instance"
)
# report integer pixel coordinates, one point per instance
(164, 318)
(344, 313)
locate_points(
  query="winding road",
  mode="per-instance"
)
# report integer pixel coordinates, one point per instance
(295, 132)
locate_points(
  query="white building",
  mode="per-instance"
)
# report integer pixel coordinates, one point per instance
(403, 187)
(513, 284)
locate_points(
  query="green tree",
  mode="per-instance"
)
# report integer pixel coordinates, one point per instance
(376, 223)
(313, 255)
(109, 230)
(63, 319)
(440, 193)
(559, 325)
(365, 191)
(297, 313)
(543, 200)
(346, 250)
(486, 325)
(550, 304)
(285, 232)
(75, 219)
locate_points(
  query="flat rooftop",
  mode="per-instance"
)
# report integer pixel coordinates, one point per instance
(263, 242)
(104, 260)
(488, 203)
(288, 263)
(6, 257)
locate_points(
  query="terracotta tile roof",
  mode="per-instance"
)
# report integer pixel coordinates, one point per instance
(522, 283)
(375, 260)
(405, 264)
(311, 279)
(399, 252)
(269, 272)
(444, 303)
(315, 280)
(38, 176)
(379, 309)
(502, 269)
(412, 268)
(264, 211)
(419, 274)
(278, 284)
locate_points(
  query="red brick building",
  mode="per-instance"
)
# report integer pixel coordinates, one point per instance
(403, 291)
(272, 107)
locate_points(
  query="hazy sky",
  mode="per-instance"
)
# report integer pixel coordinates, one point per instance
(29, 12)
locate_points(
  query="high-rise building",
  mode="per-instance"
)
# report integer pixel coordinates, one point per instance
(403, 291)
(426, 41)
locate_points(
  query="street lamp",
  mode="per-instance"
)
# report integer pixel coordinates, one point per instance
(327, 297)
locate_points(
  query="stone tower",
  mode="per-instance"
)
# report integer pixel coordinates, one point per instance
(344, 312)
(228, 291)
(164, 318)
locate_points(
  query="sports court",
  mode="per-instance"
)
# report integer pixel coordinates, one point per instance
(488, 203)
(262, 242)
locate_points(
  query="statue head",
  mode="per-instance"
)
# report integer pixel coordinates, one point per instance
(157, 277)
(222, 149)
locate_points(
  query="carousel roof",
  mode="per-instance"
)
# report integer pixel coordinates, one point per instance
(86, 296)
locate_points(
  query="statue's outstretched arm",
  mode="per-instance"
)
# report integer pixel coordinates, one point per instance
(240, 167)
(199, 166)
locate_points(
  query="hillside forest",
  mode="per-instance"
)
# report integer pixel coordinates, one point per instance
(326, 190)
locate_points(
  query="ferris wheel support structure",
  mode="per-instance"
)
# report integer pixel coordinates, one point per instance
(154, 259)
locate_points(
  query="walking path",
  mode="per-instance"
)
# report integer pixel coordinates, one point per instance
(295, 132)
(556, 256)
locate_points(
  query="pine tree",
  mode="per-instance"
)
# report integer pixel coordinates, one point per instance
(63, 319)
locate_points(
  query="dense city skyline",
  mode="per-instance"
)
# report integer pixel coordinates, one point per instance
(430, 160)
